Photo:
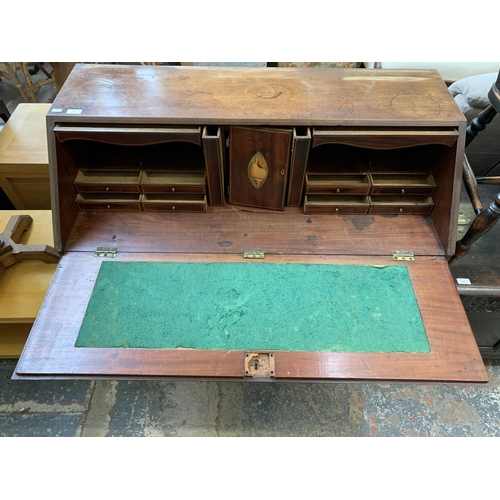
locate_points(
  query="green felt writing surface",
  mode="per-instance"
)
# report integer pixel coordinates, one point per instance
(254, 306)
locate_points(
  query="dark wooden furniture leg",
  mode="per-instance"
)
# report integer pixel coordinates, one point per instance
(470, 183)
(4, 112)
(479, 123)
(481, 225)
(485, 218)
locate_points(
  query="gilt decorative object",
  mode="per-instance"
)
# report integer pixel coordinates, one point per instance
(258, 170)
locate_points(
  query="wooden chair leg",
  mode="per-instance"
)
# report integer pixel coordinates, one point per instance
(11, 73)
(481, 225)
(479, 123)
(29, 85)
(470, 183)
(4, 112)
(40, 67)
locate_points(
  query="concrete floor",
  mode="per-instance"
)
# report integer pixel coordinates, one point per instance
(164, 408)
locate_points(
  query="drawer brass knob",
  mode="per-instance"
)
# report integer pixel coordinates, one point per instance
(109, 206)
(173, 208)
(173, 189)
(400, 210)
(336, 210)
(403, 191)
(338, 190)
(107, 188)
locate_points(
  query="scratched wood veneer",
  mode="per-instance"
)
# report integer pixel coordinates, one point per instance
(232, 229)
(256, 96)
(161, 128)
(451, 343)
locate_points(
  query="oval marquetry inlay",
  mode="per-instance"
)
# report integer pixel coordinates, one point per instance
(418, 106)
(257, 170)
(265, 91)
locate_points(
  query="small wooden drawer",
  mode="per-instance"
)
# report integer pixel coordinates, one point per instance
(109, 202)
(403, 184)
(174, 203)
(338, 184)
(174, 182)
(414, 205)
(107, 181)
(341, 204)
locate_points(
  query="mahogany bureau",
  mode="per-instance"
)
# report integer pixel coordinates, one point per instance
(190, 164)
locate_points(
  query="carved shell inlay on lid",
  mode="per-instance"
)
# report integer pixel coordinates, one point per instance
(257, 170)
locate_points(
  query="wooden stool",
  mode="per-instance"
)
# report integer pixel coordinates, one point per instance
(24, 162)
(23, 286)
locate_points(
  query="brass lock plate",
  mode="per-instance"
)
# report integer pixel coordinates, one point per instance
(259, 365)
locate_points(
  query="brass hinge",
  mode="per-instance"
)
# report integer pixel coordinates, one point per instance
(259, 365)
(403, 255)
(253, 254)
(105, 252)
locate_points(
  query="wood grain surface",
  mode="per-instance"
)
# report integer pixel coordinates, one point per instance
(273, 146)
(259, 96)
(24, 163)
(23, 285)
(50, 349)
(232, 229)
(12, 339)
(24, 140)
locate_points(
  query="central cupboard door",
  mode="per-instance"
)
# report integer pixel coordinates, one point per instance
(258, 166)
